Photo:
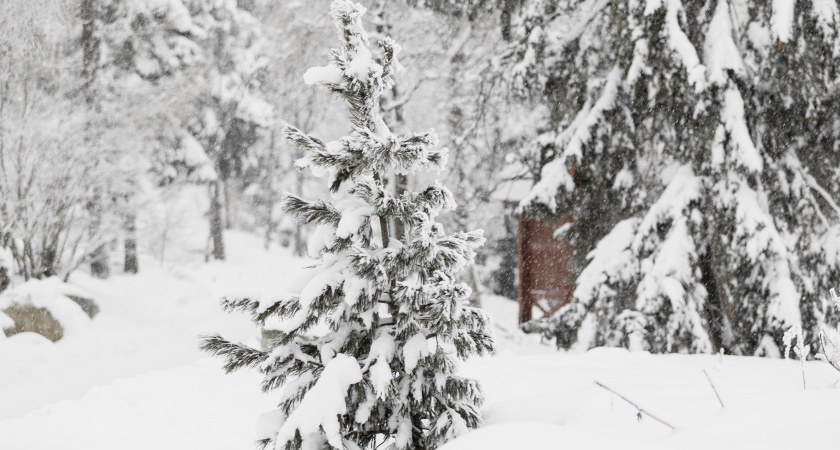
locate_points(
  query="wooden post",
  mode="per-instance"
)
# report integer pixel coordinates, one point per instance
(524, 301)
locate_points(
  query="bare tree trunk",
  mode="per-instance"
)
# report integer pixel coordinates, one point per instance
(395, 120)
(400, 186)
(269, 226)
(130, 228)
(216, 223)
(49, 255)
(300, 245)
(5, 278)
(90, 48)
(269, 185)
(508, 8)
(6, 272)
(400, 179)
(99, 264)
(226, 204)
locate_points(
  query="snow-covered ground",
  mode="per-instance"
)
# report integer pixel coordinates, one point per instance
(134, 379)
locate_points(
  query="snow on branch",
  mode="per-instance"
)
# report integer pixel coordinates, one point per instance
(683, 47)
(732, 116)
(322, 405)
(612, 259)
(781, 23)
(765, 247)
(826, 13)
(720, 51)
(555, 174)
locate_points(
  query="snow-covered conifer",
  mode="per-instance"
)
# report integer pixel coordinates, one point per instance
(373, 332)
(689, 140)
(231, 109)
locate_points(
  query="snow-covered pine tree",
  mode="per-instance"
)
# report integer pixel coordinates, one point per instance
(231, 109)
(154, 42)
(208, 56)
(684, 138)
(393, 322)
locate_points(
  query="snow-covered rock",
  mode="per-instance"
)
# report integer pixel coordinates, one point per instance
(47, 307)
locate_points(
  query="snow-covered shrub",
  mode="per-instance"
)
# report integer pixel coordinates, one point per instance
(55, 163)
(373, 332)
(800, 349)
(45, 219)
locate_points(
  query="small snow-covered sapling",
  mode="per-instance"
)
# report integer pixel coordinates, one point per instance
(800, 349)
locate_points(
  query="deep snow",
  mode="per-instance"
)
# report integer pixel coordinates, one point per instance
(133, 378)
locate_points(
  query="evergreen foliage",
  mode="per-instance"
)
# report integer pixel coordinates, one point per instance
(230, 109)
(689, 140)
(372, 335)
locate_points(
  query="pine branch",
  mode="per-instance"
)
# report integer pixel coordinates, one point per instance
(284, 307)
(319, 211)
(236, 356)
(303, 140)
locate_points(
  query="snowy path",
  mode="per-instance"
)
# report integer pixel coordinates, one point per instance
(191, 407)
(109, 374)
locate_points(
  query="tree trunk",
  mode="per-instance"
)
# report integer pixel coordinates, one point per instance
(226, 204)
(90, 49)
(5, 278)
(400, 179)
(508, 8)
(400, 186)
(130, 228)
(269, 226)
(395, 120)
(216, 223)
(300, 245)
(269, 187)
(99, 264)
(49, 256)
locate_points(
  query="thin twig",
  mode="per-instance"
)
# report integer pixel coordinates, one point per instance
(717, 394)
(639, 408)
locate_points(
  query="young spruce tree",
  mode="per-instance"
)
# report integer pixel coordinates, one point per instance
(393, 322)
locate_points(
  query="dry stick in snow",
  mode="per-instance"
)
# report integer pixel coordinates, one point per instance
(639, 408)
(713, 388)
